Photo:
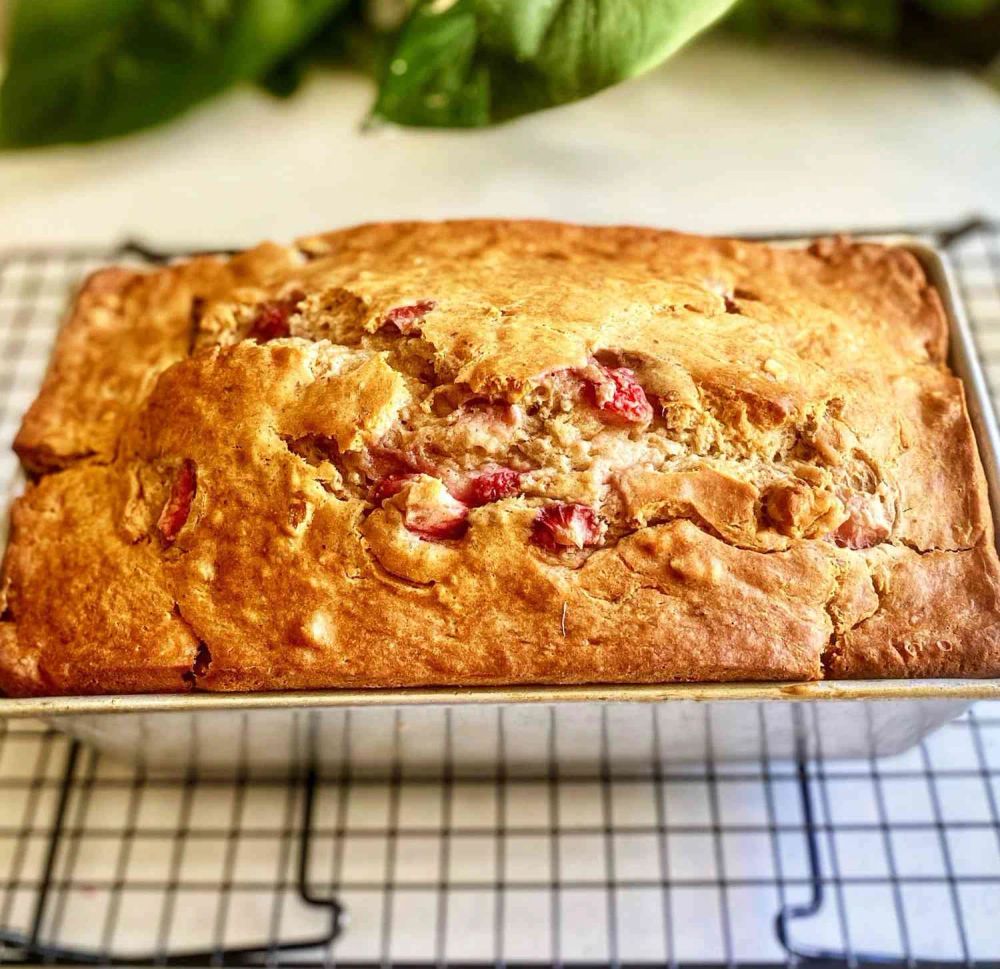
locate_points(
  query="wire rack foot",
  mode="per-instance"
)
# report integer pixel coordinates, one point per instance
(789, 914)
(29, 947)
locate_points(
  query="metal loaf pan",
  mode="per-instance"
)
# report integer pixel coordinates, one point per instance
(578, 730)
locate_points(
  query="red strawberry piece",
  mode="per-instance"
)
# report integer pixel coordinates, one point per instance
(438, 521)
(405, 318)
(620, 398)
(563, 525)
(857, 534)
(435, 515)
(866, 525)
(431, 515)
(178, 504)
(488, 486)
(271, 321)
(391, 484)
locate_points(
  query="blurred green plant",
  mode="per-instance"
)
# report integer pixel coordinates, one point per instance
(473, 62)
(81, 70)
(959, 32)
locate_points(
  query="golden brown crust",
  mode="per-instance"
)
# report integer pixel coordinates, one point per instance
(936, 617)
(126, 326)
(65, 521)
(500, 452)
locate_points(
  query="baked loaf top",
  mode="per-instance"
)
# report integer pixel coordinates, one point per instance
(500, 452)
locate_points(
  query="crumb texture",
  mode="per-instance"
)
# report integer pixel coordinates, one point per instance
(500, 452)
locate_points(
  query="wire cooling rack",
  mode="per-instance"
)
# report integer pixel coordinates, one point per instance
(894, 860)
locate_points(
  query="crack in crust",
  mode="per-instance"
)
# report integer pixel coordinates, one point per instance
(751, 433)
(201, 663)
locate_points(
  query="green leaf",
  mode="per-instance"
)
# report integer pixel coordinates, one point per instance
(79, 70)
(474, 62)
(337, 43)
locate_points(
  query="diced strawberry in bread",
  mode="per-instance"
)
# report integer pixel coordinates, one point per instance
(439, 517)
(430, 512)
(438, 521)
(619, 397)
(488, 486)
(866, 526)
(178, 504)
(562, 525)
(405, 318)
(271, 321)
(856, 534)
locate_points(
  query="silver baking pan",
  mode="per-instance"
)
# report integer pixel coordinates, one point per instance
(577, 730)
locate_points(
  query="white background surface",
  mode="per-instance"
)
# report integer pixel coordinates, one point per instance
(726, 137)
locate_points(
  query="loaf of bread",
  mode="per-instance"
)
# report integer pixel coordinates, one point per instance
(500, 452)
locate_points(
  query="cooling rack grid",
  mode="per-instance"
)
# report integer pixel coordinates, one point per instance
(772, 862)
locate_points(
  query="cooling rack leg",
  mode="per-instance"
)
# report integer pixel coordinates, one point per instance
(19, 947)
(789, 913)
(27, 946)
(55, 839)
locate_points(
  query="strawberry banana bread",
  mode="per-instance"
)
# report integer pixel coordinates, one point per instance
(500, 452)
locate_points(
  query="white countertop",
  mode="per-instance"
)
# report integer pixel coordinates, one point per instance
(726, 137)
